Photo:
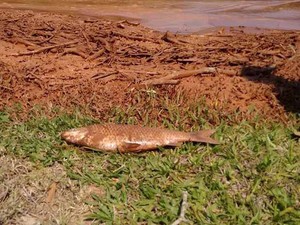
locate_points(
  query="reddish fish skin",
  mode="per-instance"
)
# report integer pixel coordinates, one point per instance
(131, 138)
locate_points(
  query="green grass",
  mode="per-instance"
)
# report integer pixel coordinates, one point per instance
(253, 177)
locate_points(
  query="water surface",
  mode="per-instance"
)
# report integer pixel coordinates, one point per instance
(179, 16)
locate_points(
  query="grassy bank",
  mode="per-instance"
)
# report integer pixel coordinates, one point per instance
(251, 178)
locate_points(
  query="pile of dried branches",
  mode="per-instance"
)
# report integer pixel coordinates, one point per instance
(65, 60)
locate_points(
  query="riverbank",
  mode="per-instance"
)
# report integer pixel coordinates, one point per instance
(60, 60)
(62, 71)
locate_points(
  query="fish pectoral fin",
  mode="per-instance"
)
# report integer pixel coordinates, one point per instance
(129, 146)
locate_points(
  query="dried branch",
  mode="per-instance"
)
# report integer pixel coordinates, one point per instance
(74, 51)
(169, 37)
(48, 39)
(297, 133)
(24, 42)
(45, 49)
(101, 75)
(86, 38)
(7, 88)
(173, 78)
(183, 208)
(130, 23)
(104, 43)
(51, 192)
(97, 54)
(135, 38)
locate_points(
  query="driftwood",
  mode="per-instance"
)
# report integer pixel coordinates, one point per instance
(86, 39)
(101, 75)
(173, 78)
(24, 42)
(74, 51)
(135, 38)
(97, 54)
(45, 48)
(105, 44)
(171, 38)
(7, 88)
(130, 23)
(48, 39)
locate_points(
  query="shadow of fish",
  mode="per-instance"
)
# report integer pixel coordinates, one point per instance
(131, 138)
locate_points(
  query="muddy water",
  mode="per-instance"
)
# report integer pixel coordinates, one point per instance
(179, 16)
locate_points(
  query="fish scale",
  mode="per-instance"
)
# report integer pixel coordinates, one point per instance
(135, 132)
(131, 138)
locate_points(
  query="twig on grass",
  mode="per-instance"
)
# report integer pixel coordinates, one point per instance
(4, 194)
(183, 207)
(297, 133)
(51, 192)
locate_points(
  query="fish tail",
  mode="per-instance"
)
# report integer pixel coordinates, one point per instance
(204, 137)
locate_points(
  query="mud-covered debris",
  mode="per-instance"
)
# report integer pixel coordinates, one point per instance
(63, 60)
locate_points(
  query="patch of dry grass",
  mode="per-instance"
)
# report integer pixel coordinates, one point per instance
(251, 178)
(24, 188)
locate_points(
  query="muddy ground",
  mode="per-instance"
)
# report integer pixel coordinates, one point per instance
(61, 60)
(96, 64)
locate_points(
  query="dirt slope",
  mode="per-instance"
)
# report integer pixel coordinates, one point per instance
(50, 59)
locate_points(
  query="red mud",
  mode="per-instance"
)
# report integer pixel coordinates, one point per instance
(60, 60)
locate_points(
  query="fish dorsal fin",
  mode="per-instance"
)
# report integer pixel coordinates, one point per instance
(131, 146)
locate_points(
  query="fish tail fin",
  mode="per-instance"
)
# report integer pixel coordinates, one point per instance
(204, 137)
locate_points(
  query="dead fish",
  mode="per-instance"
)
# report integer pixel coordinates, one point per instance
(131, 138)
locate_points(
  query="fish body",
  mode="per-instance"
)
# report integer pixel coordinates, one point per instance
(131, 138)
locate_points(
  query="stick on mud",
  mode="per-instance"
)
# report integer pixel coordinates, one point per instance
(45, 48)
(173, 78)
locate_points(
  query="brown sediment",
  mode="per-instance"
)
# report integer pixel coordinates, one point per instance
(60, 60)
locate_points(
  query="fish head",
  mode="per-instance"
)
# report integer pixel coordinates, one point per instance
(74, 136)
